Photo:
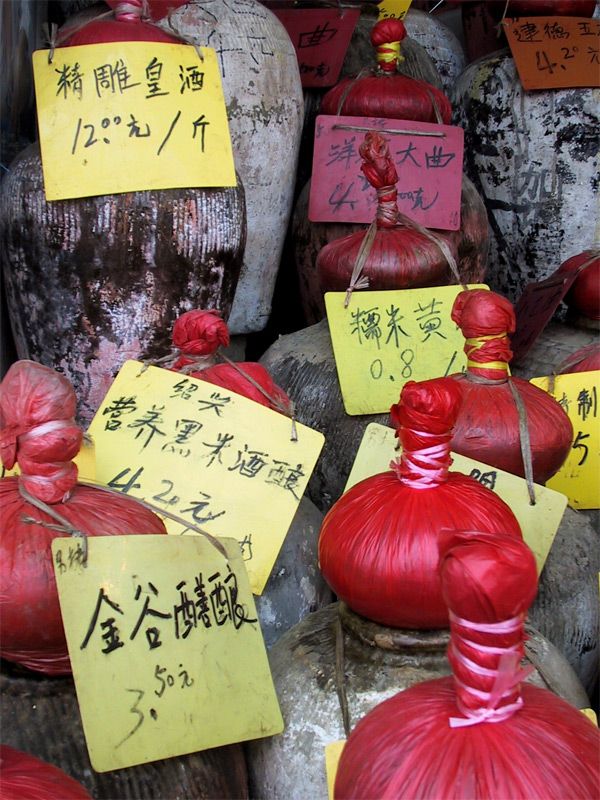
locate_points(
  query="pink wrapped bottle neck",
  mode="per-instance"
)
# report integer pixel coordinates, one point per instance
(423, 466)
(485, 659)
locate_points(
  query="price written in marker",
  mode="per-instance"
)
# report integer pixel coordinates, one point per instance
(129, 116)
(428, 160)
(555, 52)
(384, 339)
(578, 393)
(538, 522)
(211, 457)
(320, 38)
(166, 650)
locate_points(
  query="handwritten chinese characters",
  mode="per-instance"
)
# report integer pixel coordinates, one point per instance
(320, 38)
(396, 9)
(428, 160)
(215, 460)
(384, 339)
(166, 649)
(555, 52)
(539, 523)
(118, 117)
(578, 394)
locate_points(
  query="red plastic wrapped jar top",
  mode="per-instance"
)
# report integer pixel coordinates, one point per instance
(37, 431)
(487, 427)
(585, 359)
(130, 22)
(481, 734)
(197, 335)
(388, 93)
(25, 777)
(400, 256)
(583, 298)
(379, 543)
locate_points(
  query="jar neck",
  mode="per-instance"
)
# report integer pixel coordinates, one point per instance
(425, 458)
(485, 660)
(488, 357)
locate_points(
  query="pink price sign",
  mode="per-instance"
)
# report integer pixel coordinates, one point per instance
(320, 37)
(428, 160)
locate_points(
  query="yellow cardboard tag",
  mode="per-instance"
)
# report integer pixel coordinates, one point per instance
(579, 393)
(393, 8)
(384, 339)
(333, 753)
(85, 460)
(207, 455)
(591, 715)
(129, 116)
(166, 650)
(539, 523)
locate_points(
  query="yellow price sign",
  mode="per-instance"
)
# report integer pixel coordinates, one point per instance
(384, 339)
(167, 653)
(207, 455)
(578, 393)
(129, 116)
(538, 522)
(393, 8)
(333, 753)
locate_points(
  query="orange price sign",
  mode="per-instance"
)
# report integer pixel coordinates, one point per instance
(555, 52)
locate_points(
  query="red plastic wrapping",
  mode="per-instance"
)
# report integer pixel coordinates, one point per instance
(584, 295)
(24, 777)
(583, 360)
(127, 24)
(200, 334)
(378, 547)
(400, 257)
(388, 93)
(512, 742)
(36, 428)
(487, 427)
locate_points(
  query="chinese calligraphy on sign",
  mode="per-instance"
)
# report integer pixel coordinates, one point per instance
(539, 522)
(578, 393)
(167, 653)
(118, 117)
(214, 459)
(555, 52)
(384, 339)
(320, 38)
(396, 9)
(428, 161)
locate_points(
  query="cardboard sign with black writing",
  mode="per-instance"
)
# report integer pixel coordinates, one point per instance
(384, 339)
(428, 161)
(578, 393)
(209, 456)
(167, 653)
(555, 52)
(129, 116)
(320, 37)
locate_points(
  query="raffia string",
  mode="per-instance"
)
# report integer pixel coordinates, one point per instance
(203, 362)
(161, 512)
(363, 73)
(64, 524)
(357, 281)
(340, 673)
(66, 527)
(524, 440)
